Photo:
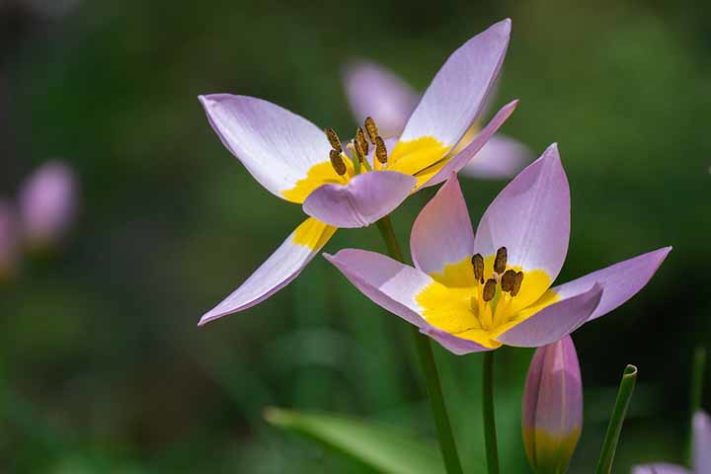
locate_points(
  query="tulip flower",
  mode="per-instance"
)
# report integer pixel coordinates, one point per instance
(372, 90)
(552, 407)
(354, 184)
(701, 451)
(475, 293)
(48, 204)
(9, 251)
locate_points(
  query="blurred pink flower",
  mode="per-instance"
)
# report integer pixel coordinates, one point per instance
(47, 204)
(552, 418)
(373, 90)
(701, 451)
(9, 248)
(346, 185)
(476, 292)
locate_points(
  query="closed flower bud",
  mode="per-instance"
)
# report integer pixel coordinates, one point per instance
(48, 202)
(552, 407)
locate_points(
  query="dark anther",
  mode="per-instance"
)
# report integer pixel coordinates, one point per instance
(361, 143)
(478, 264)
(334, 140)
(517, 284)
(337, 162)
(507, 280)
(489, 289)
(500, 260)
(372, 129)
(380, 151)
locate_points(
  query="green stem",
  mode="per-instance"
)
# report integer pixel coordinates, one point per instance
(427, 361)
(612, 437)
(492, 451)
(697, 387)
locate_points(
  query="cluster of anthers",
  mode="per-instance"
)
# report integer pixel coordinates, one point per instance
(359, 148)
(494, 294)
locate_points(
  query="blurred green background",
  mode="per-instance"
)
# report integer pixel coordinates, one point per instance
(102, 366)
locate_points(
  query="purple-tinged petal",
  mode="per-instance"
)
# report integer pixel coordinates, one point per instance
(9, 245)
(530, 217)
(362, 201)
(457, 93)
(460, 160)
(277, 271)
(48, 204)
(500, 158)
(702, 443)
(553, 406)
(553, 322)
(387, 282)
(619, 282)
(442, 233)
(660, 468)
(374, 91)
(276, 146)
(455, 345)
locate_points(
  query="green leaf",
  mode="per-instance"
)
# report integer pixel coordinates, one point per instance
(381, 447)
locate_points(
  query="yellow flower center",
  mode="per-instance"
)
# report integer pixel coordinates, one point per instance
(482, 297)
(421, 158)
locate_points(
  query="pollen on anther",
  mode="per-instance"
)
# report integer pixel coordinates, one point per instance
(380, 151)
(517, 284)
(372, 129)
(508, 280)
(334, 140)
(361, 143)
(489, 289)
(337, 162)
(478, 264)
(500, 260)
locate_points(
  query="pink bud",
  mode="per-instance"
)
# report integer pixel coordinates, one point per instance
(48, 204)
(9, 249)
(553, 407)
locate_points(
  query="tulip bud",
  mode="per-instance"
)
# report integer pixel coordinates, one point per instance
(47, 202)
(701, 443)
(552, 407)
(8, 241)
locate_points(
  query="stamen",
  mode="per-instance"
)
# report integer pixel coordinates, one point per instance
(517, 284)
(334, 140)
(508, 279)
(361, 143)
(478, 264)
(337, 162)
(372, 129)
(489, 289)
(380, 151)
(500, 260)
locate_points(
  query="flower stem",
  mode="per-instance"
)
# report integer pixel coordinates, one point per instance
(697, 386)
(429, 367)
(492, 451)
(612, 437)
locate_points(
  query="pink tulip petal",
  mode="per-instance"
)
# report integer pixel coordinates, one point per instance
(277, 271)
(553, 406)
(48, 203)
(461, 159)
(660, 468)
(375, 91)
(457, 93)
(365, 199)
(553, 322)
(387, 282)
(500, 158)
(530, 217)
(620, 281)
(442, 232)
(276, 146)
(702, 443)
(455, 345)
